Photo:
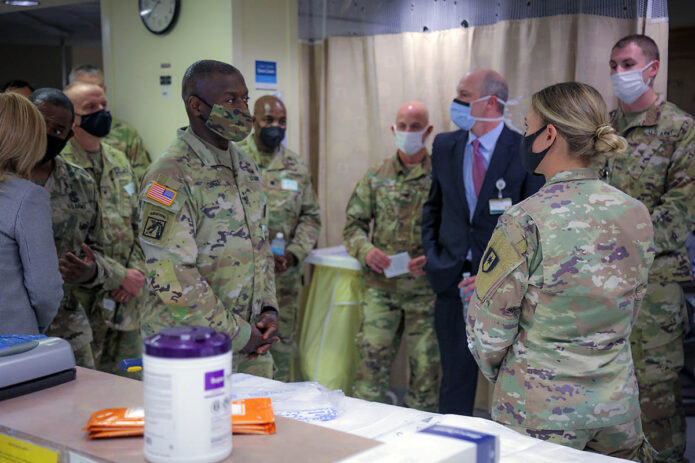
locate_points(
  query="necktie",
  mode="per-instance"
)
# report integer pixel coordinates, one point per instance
(478, 167)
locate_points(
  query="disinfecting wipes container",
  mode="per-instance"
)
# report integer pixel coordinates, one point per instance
(187, 373)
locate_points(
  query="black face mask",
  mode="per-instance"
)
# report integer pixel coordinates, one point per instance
(529, 159)
(272, 136)
(97, 124)
(54, 146)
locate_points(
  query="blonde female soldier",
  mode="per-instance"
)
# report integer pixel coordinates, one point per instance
(560, 286)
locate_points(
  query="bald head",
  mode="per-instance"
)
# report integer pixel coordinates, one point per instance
(413, 111)
(267, 104)
(481, 83)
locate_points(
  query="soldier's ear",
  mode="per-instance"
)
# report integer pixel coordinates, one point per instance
(193, 104)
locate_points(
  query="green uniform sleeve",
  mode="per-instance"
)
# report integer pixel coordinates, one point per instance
(139, 157)
(493, 315)
(269, 299)
(92, 240)
(168, 240)
(674, 217)
(308, 225)
(359, 216)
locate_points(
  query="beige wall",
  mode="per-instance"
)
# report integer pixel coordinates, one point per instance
(234, 31)
(267, 30)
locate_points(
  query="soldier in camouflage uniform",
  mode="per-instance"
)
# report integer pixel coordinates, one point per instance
(122, 136)
(203, 224)
(292, 211)
(658, 169)
(390, 198)
(560, 285)
(75, 215)
(113, 311)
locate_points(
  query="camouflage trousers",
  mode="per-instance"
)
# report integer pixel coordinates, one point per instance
(657, 351)
(260, 366)
(287, 286)
(620, 441)
(118, 345)
(72, 324)
(388, 315)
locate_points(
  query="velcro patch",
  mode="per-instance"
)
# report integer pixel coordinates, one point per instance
(155, 223)
(161, 194)
(499, 260)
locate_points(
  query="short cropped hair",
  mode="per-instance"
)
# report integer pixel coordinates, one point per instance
(22, 135)
(52, 96)
(493, 85)
(88, 69)
(646, 44)
(17, 84)
(201, 70)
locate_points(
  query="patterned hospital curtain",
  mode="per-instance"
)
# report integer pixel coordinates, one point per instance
(362, 59)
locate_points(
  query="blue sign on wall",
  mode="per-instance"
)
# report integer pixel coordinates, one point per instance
(266, 75)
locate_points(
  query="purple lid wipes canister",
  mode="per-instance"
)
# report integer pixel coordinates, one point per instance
(187, 342)
(187, 373)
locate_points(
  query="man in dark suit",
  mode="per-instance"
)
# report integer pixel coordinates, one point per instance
(476, 174)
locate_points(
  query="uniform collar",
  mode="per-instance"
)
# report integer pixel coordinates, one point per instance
(208, 154)
(88, 159)
(647, 118)
(266, 161)
(413, 171)
(585, 173)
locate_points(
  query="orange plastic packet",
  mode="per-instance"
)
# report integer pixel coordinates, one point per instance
(253, 416)
(249, 416)
(117, 418)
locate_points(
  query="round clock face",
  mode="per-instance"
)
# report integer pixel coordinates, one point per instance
(159, 15)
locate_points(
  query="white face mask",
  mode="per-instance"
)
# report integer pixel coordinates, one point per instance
(628, 86)
(409, 142)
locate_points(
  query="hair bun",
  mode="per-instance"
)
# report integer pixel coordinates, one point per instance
(607, 142)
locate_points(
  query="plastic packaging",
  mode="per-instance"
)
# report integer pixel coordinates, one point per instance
(278, 244)
(187, 378)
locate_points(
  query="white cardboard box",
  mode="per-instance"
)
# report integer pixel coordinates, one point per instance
(438, 443)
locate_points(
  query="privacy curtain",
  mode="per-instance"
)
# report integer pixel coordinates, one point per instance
(353, 86)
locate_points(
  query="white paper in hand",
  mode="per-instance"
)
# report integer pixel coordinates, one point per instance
(399, 265)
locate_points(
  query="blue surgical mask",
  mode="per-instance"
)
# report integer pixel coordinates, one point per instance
(460, 113)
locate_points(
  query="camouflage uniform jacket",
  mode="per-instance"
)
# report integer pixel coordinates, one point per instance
(75, 213)
(292, 206)
(391, 198)
(658, 168)
(557, 294)
(125, 138)
(117, 191)
(208, 257)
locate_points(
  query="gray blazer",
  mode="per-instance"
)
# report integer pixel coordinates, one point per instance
(30, 284)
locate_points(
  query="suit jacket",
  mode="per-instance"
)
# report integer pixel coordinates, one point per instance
(31, 288)
(447, 232)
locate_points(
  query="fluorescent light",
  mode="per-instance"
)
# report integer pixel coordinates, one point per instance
(22, 2)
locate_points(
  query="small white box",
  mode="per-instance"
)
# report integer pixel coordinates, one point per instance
(438, 443)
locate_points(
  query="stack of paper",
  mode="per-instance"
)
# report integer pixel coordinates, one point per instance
(249, 416)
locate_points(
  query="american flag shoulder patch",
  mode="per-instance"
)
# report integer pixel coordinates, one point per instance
(161, 194)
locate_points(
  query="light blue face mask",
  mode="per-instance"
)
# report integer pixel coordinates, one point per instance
(460, 113)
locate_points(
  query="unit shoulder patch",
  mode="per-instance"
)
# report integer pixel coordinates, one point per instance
(499, 260)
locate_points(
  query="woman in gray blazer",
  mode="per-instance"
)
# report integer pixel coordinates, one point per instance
(30, 284)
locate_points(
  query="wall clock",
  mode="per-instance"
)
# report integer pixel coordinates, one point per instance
(159, 16)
